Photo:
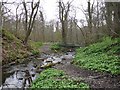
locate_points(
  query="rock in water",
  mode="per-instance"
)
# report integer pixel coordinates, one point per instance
(51, 62)
(47, 65)
(57, 60)
(66, 57)
(48, 60)
(42, 59)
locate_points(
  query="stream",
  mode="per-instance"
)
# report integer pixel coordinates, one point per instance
(22, 75)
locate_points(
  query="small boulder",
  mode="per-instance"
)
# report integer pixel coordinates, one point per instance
(48, 60)
(57, 60)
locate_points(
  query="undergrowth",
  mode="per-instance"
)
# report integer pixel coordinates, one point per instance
(56, 79)
(35, 47)
(55, 46)
(101, 56)
(13, 48)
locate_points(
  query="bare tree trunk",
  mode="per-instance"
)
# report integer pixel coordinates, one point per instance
(116, 7)
(43, 26)
(71, 27)
(17, 20)
(98, 22)
(90, 11)
(63, 16)
(26, 17)
(90, 17)
(1, 13)
(63, 33)
(109, 16)
(32, 19)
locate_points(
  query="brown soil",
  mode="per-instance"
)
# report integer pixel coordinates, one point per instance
(94, 79)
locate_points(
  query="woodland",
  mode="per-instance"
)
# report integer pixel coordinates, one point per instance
(62, 53)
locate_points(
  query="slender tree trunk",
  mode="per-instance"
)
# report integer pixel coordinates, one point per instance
(90, 17)
(71, 27)
(90, 33)
(17, 20)
(31, 21)
(109, 17)
(63, 33)
(43, 24)
(63, 16)
(116, 8)
(1, 17)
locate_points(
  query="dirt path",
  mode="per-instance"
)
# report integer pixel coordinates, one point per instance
(94, 79)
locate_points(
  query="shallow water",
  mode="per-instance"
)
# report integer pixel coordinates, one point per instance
(16, 76)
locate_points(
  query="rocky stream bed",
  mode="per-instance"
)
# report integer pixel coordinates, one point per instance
(21, 75)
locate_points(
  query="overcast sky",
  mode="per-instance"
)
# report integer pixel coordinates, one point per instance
(50, 8)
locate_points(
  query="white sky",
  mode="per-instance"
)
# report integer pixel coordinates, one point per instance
(50, 8)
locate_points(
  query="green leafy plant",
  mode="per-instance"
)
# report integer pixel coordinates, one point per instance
(35, 52)
(101, 56)
(56, 79)
(35, 46)
(55, 47)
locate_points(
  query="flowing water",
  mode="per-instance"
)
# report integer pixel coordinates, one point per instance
(18, 76)
(21, 75)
